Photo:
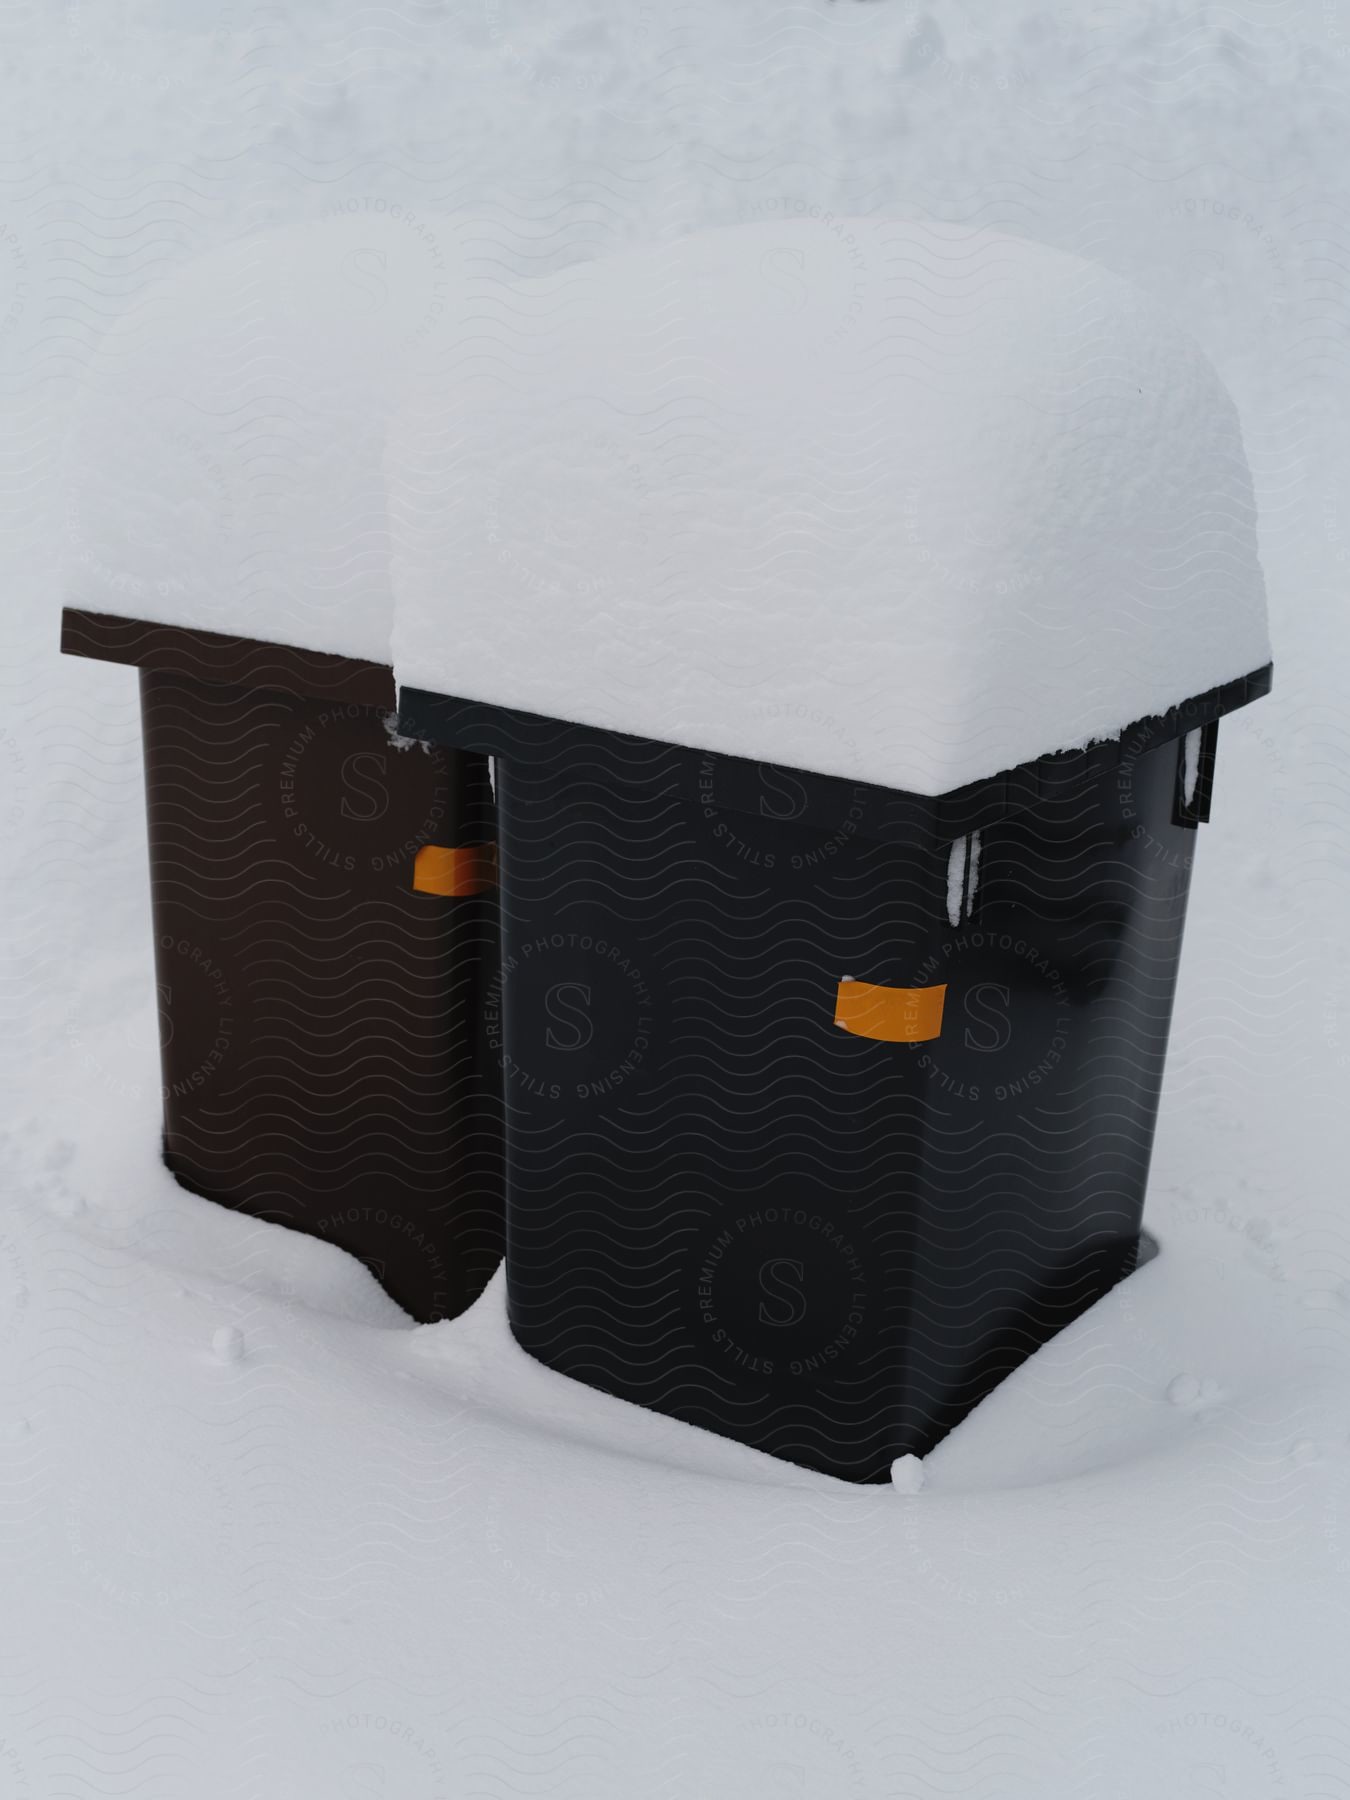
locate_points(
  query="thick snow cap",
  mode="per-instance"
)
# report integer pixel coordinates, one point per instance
(900, 502)
(228, 462)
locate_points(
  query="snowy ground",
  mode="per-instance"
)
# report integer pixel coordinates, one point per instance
(338, 1556)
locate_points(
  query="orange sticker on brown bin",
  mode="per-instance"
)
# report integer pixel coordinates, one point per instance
(468, 869)
(891, 1015)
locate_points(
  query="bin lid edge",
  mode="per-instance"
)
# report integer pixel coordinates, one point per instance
(200, 655)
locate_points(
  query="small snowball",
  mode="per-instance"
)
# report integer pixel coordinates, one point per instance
(907, 1474)
(228, 1344)
(14, 1431)
(1183, 1390)
(1306, 1450)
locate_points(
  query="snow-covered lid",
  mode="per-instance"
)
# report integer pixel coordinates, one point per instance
(227, 463)
(907, 503)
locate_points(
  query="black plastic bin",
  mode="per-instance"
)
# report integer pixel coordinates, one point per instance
(324, 913)
(825, 1104)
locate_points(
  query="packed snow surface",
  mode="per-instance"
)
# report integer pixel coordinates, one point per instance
(909, 503)
(375, 1561)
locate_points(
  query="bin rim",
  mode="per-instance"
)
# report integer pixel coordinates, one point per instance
(510, 734)
(213, 656)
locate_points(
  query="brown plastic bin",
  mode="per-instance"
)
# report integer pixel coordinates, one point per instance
(324, 911)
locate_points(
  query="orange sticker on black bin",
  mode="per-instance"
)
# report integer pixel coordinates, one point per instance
(468, 869)
(891, 1015)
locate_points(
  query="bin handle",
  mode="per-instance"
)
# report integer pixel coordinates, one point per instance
(1195, 776)
(455, 871)
(891, 1015)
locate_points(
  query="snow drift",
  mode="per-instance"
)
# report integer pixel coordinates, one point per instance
(903, 502)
